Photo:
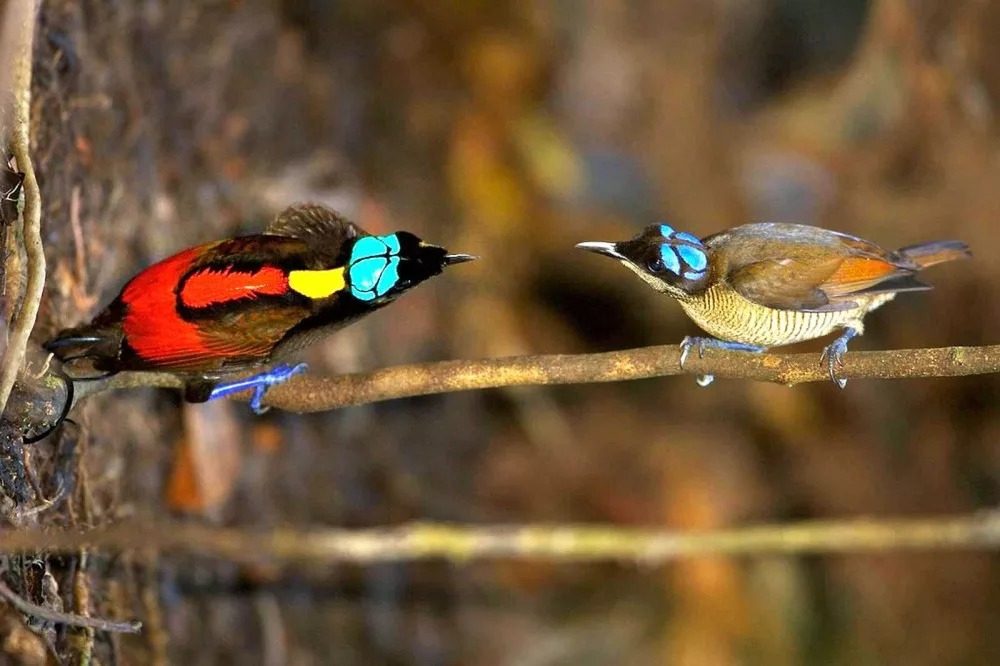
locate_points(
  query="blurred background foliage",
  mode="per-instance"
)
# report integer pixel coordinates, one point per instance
(514, 130)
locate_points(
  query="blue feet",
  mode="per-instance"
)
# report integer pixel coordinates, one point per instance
(701, 344)
(259, 383)
(834, 354)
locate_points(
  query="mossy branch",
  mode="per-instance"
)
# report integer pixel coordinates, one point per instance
(306, 393)
(563, 543)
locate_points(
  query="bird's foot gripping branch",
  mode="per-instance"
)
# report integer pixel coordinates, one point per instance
(260, 383)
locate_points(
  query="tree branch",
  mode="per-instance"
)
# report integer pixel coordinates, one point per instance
(564, 543)
(306, 393)
(32, 213)
(71, 619)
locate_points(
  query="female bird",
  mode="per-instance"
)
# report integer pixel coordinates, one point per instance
(768, 284)
(236, 304)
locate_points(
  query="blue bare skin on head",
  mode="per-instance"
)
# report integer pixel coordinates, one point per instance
(373, 268)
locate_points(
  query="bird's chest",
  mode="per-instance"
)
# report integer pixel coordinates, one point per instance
(726, 315)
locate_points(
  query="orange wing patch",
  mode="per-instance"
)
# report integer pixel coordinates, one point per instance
(857, 273)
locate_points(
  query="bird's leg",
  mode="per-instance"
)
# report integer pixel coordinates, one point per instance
(259, 383)
(711, 343)
(834, 352)
(701, 344)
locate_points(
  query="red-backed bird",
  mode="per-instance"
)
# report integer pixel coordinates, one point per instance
(768, 284)
(236, 304)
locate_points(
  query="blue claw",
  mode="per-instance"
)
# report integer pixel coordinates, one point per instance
(711, 343)
(834, 354)
(259, 383)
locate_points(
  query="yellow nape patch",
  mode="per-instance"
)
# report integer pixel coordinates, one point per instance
(317, 284)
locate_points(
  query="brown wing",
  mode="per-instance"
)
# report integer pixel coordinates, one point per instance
(796, 267)
(247, 337)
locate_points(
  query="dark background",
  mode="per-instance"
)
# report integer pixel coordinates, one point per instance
(514, 130)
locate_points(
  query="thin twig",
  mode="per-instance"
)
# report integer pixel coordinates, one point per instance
(81, 643)
(157, 636)
(306, 393)
(564, 543)
(32, 214)
(28, 608)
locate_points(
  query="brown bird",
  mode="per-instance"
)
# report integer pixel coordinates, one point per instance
(766, 285)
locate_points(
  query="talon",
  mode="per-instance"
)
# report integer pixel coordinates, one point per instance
(685, 349)
(834, 353)
(831, 355)
(255, 401)
(687, 343)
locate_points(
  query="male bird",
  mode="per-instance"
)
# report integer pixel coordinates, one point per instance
(236, 304)
(770, 284)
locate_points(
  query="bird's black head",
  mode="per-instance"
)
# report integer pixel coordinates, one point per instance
(676, 263)
(380, 268)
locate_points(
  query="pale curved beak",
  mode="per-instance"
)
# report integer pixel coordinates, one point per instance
(452, 259)
(607, 249)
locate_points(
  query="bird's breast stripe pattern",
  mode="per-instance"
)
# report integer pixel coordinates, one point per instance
(728, 316)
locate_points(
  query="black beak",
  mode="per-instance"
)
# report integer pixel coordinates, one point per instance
(452, 259)
(607, 249)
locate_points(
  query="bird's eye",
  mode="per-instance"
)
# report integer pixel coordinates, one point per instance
(654, 265)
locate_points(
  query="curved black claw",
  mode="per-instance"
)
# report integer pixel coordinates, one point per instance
(67, 406)
(686, 344)
(833, 355)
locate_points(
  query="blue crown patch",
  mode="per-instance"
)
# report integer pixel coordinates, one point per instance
(680, 257)
(374, 266)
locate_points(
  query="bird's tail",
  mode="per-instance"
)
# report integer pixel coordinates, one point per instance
(100, 345)
(938, 252)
